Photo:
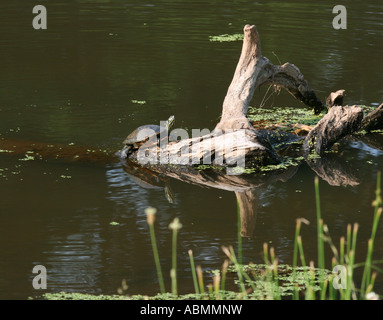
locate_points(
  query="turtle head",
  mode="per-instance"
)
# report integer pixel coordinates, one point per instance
(123, 154)
(170, 122)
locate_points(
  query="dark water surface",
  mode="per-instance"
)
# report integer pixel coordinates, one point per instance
(79, 81)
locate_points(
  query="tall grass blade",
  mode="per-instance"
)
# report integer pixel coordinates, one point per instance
(200, 280)
(175, 226)
(366, 278)
(194, 273)
(150, 214)
(224, 272)
(216, 284)
(321, 257)
(301, 253)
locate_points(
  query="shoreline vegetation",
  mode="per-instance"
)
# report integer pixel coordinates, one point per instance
(269, 281)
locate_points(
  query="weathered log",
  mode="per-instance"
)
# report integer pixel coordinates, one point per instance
(234, 140)
(254, 70)
(373, 120)
(336, 124)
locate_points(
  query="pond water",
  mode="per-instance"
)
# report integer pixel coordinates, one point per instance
(101, 69)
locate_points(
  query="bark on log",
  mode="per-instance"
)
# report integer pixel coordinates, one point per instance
(373, 120)
(336, 124)
(254, 70)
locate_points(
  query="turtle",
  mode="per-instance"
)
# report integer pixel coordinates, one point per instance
(133, 141)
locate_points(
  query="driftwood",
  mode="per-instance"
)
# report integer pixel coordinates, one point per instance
(253, 70)
(261, 146)
(336, 124)
(234, 141)
(373, 120)
(340, 122)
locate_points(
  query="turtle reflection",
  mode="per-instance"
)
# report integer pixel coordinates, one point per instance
(148, 179)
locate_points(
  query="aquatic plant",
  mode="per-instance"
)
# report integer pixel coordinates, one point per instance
(151, 214)
(174, 226)
(226, 38)
(138, 101)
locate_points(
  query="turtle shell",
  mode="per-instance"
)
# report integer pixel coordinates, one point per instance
(133, 139)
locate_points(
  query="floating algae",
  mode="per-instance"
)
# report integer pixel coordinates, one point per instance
(226, 38)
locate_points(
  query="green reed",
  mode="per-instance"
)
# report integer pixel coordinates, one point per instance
(367, 279)
(216, 286)
(345, 256)
(151, 214)
(321, 256)
(194, 273)
(224, 272)
(295, 254)
(200, 280)
(272, 272)
(231, 255)
(174, 226)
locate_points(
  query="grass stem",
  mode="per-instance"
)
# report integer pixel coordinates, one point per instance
(150, 214)
(194, 274)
